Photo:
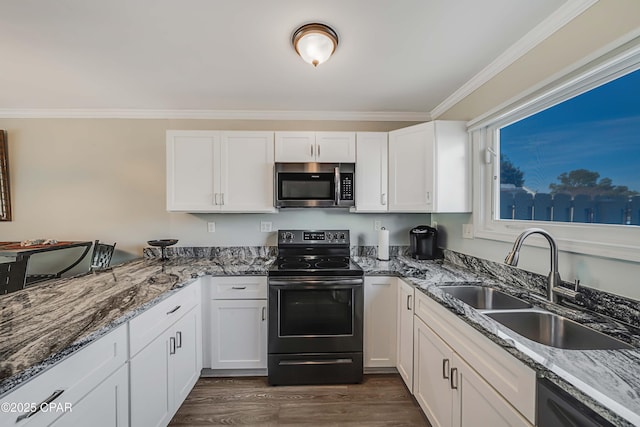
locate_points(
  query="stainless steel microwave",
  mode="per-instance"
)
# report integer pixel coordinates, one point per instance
(314, 185)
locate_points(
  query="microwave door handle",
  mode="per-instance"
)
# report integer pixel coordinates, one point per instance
(336, 172)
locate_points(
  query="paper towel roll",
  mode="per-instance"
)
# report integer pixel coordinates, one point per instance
(383, 244)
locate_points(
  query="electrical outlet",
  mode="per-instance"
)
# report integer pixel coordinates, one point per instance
(467, 231)
(266, 226)
(211, 227)
(377, 225)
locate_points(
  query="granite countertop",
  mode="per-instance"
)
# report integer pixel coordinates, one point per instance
(43, 324)
(608, 381)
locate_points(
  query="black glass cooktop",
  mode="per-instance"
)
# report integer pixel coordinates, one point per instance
(314, 265)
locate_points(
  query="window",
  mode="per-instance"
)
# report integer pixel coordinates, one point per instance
(566, 157)
(577, 161)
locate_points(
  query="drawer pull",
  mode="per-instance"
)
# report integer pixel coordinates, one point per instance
(445, 369)
(454, 376)
(179, 339)
(45, 402)
(176, 308)
(239, 287)
(172, 345)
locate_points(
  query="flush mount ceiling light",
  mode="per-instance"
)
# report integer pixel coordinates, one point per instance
(315, 43)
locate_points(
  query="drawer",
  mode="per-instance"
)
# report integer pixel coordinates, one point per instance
(151, 323)
(239, 287)
(74, 376)
(515, 381)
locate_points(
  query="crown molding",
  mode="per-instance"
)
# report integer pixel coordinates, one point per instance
(375, 116)
(567, 12)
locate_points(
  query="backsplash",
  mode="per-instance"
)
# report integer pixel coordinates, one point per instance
(614, 306)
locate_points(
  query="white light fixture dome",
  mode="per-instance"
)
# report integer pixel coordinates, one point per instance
(315, 43)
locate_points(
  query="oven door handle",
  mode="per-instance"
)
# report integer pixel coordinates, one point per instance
(333, 284)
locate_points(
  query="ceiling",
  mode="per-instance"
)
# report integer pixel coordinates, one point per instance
(401, 56)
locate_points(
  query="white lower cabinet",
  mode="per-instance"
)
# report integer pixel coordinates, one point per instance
(239, 334)
(165, 365)
(165, 371)
(107, 405)
(238, 323)
(405, 303)
(461, 377)
(380, 320)
(450, 392)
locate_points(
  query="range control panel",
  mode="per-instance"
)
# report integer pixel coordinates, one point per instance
(313, 237)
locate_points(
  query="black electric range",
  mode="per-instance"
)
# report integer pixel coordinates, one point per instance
(316, 310)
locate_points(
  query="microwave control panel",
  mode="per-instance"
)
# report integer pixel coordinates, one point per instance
(346, 181)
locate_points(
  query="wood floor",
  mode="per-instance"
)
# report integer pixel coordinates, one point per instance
(381, 400)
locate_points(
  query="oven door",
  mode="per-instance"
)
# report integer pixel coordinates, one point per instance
(306, 189)
(315, 315)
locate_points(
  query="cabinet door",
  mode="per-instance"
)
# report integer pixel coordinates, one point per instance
(295, 146)
(411, 170)
(475, 399)
(380, 320)
(335, 147)
(405, 333)
(186, 362)
(246, 172)
(191, 184)
(107, 405)
(371, 171)
(238, 334)
(151, 402)
(432, 376)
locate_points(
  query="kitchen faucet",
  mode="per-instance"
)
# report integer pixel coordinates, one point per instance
(553, 280)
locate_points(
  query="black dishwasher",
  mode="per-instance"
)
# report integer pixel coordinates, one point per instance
(557, 408)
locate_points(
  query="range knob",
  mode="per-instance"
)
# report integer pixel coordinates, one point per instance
(287, 235)
(329, 236)
(341, 236)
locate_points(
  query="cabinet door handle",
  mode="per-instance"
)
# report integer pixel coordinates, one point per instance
(239, 287)
(428, 196)
(172, 345)
(445, 369)
(311, 150)
(318, 150)
(176, 308)
(408, 302)
(179, 339)
(222, 198)
(215, 198)
(384, 199)
(264, 313)
(454, 376)
(42, 404)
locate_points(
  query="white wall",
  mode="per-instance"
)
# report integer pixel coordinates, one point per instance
(87, 179)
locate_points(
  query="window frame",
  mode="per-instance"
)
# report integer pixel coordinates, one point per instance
(603, 240)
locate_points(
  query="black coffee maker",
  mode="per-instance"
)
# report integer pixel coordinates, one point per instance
(423, 242)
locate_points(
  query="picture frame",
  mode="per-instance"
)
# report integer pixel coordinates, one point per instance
(5, 193)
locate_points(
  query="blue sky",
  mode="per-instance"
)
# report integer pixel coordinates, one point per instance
(598, 130)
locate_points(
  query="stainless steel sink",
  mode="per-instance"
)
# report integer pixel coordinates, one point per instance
(484, 298)
(556, 331)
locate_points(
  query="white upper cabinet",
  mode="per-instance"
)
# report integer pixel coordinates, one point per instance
(371, 172)
(429, 168)
(322, 147)
(212, 171)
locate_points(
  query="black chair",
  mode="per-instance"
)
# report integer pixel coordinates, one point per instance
(12, 276)
(102, 254)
